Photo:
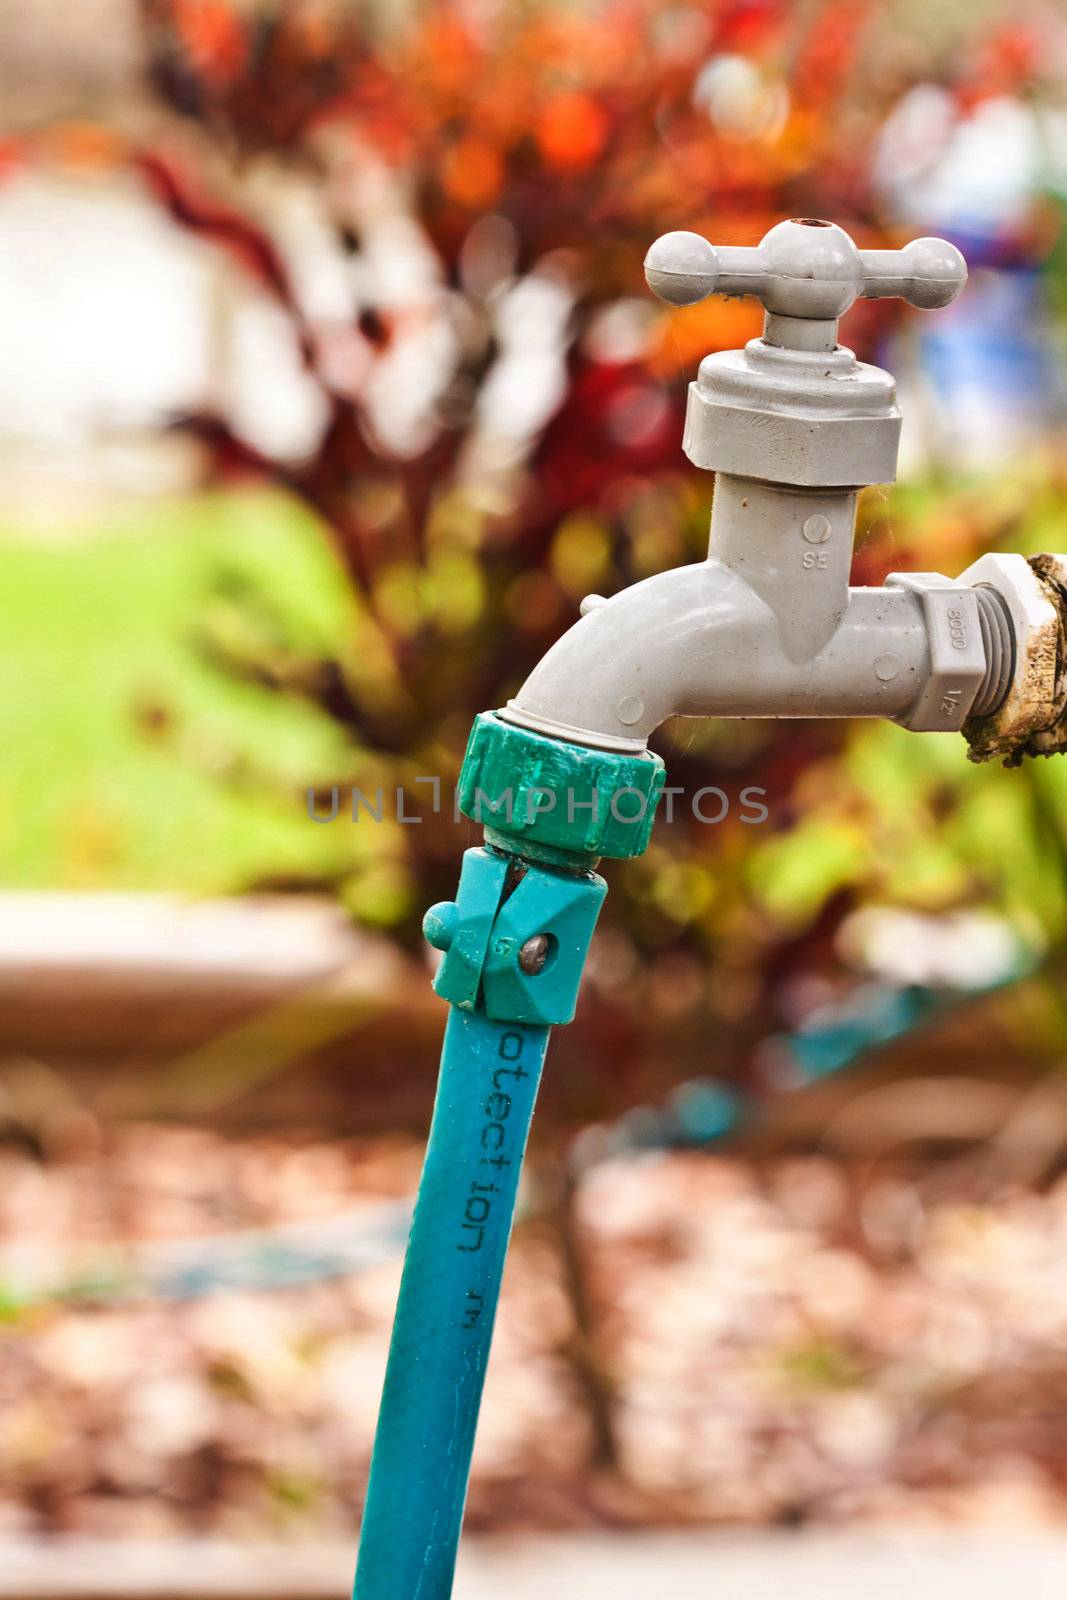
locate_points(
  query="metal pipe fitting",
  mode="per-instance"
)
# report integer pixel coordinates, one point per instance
(1029, 718)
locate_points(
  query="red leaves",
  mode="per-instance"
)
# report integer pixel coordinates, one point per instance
(575, 136)
(614, 423)
(267, 76)
(192, 203)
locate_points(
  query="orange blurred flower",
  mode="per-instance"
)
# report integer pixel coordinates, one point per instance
(684, 337)
(85, 146)
(571, 131)
(213, 37)
(472, 172)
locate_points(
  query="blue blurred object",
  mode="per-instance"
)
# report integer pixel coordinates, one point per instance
(872, 1015)
(991, 359)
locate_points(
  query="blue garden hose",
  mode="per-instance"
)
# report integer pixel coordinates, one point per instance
(514, 943)
(490, 1073)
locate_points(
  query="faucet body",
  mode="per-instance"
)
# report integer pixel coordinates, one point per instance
(768, 625)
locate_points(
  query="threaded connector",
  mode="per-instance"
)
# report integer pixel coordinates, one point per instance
(1021, 706)
(998, 638)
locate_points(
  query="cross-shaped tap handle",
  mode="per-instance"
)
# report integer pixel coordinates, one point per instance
(805, 269)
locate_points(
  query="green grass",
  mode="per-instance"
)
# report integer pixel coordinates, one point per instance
(128, 759)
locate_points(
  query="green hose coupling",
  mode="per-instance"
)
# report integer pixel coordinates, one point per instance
(554, 801)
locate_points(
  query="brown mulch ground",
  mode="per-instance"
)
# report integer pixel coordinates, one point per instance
(791, 1340)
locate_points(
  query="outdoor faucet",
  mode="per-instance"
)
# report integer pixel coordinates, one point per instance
(768, 626)
(794, 426)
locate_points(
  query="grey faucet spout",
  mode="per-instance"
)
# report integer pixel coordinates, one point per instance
(701, 641)
(768, 626)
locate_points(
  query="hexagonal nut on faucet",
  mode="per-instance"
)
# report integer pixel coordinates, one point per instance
(958, 654)
(1030, 717)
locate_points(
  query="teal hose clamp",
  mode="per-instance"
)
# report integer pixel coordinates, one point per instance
(486, 929)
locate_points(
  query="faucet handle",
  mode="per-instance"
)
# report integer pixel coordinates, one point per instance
(805, 269)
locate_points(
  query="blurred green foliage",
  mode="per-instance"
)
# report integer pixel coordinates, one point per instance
(180, 772)
(130, 760)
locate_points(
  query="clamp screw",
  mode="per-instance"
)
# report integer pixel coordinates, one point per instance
(533, 954)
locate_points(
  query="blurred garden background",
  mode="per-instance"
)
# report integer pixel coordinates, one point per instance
(329, 385)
